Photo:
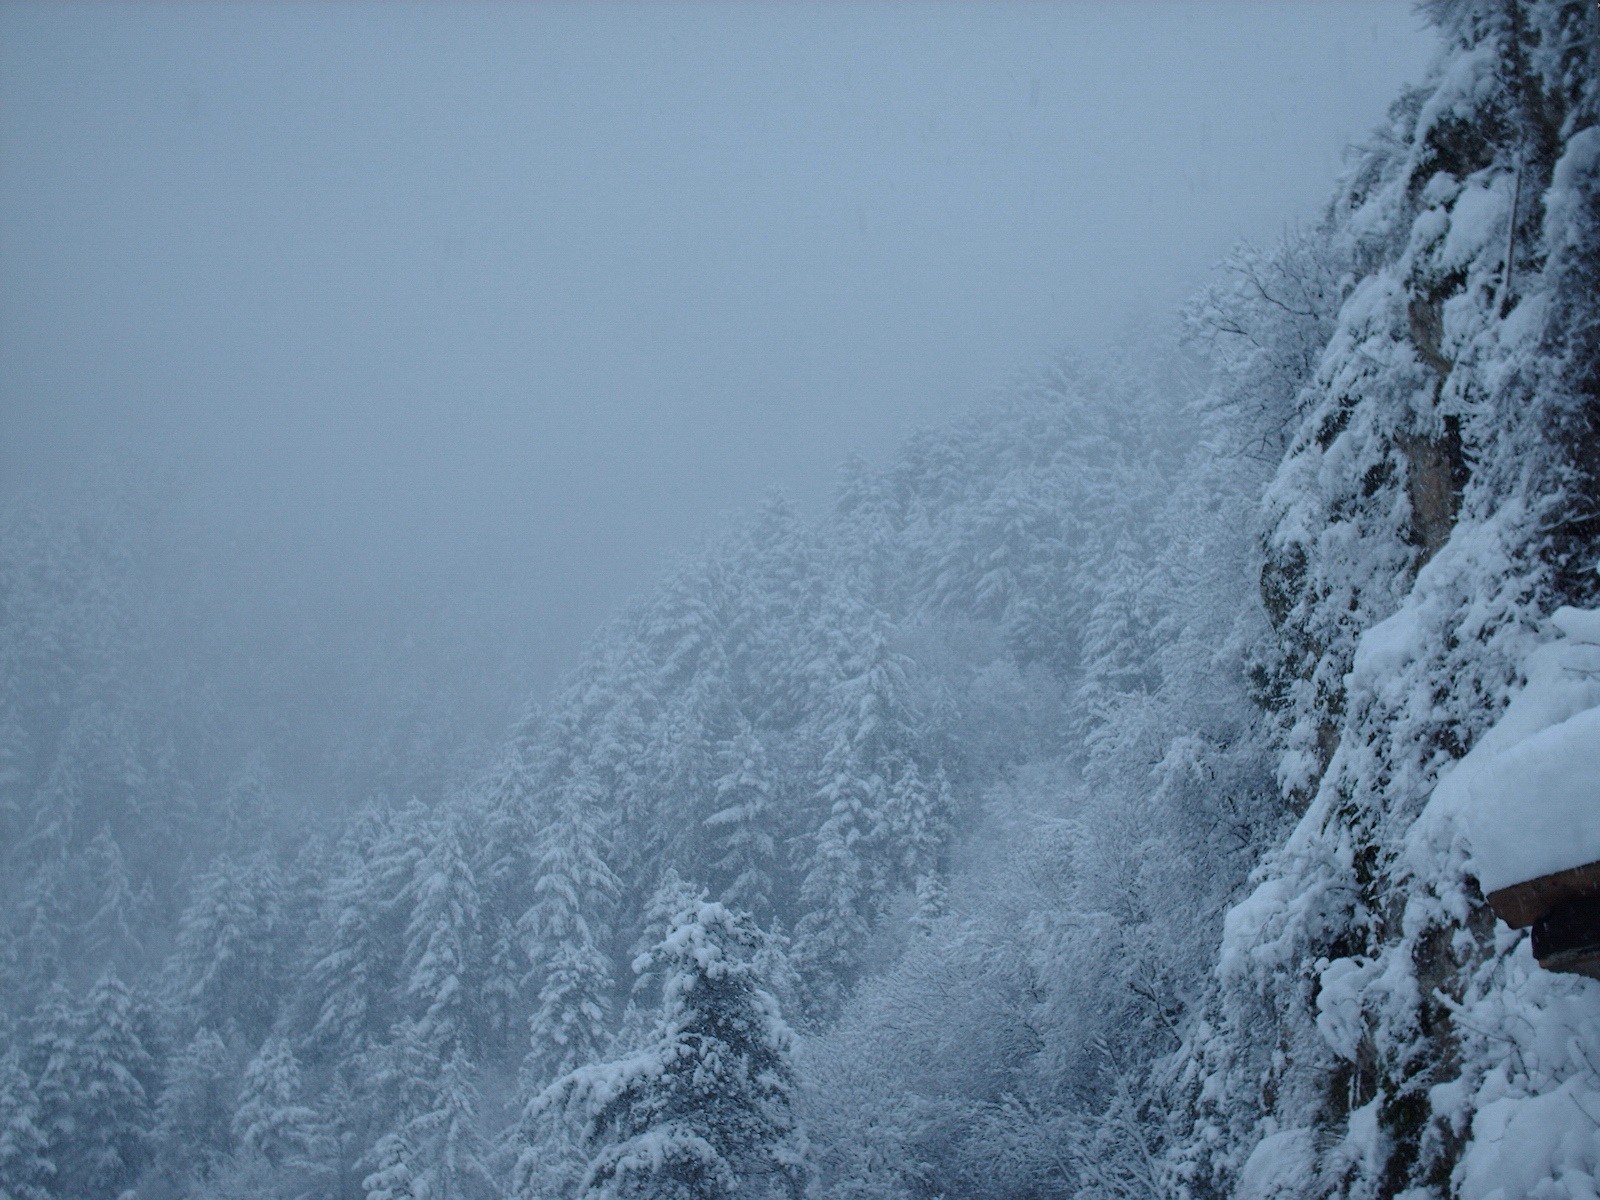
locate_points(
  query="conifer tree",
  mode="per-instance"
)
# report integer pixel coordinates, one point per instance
(194, 1115)
(25, 1168)
(272, 1120)
(743, 850)
(919, 815)
(392, 1177)
(93, 1091)
(671, 896)
(116, 910)
(225, 965)
(356, 951)
(442, 943)
(867, 523)
(705, 1110)
(245, 810)
(449, 1152)
(566, 929)
(869, 730)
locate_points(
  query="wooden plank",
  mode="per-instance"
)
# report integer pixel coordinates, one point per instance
(1524, 903)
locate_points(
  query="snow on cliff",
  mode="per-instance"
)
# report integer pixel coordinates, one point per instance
(1528, 795)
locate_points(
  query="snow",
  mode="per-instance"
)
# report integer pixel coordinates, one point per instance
(1283, 1164)
(1339, 1003)
(1477, 220)
(1551, 1149)
(1528, 795)
(1467, 84)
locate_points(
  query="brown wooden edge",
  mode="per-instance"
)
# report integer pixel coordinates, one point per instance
(1524, 903)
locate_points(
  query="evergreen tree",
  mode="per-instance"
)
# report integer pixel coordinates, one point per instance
(777, 600)
(246, 808)
(566, 929)
(93, 1091)
(116, 911)
(508, 803)
(194, 1115)
(225, 967)
(449, 1152)
(743, 852)
(706, 1109)
(392, 1177)
(919, 824)
(272, 1120)
(671, 896)
(442, 943)
(25, 1168)
(353, 984)
(869, 730)
(866, 522)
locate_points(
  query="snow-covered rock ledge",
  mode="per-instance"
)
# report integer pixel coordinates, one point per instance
(1527, 797)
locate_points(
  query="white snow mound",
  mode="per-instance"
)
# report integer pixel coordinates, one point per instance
(1528, 795)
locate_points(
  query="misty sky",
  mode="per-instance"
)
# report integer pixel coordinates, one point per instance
(532, 294)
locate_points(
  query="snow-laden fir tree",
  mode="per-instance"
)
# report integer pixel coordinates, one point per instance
(439, 1150)
(225, 967)
(443, 944)
(93, 1088)
(671, 896)
(566, 931)
(116, 911)
(25, 1167)
(357, 943)
(918, 819)
(868, 729)
(739, 829)
(272, 1120)
(704, 1110)
(194, 1115)
(391, 1177)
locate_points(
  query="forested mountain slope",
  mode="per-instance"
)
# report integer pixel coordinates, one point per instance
(1051, 818)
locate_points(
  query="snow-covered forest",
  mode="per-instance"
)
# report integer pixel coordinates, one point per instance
(1097, 801)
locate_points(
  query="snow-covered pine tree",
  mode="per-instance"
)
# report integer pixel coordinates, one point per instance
(224, 969)
(446, 1151)
(868, 729)
(352, 986)
(918, 817)
(705, 1110)
(194, 1115)
(866, 524)
(672, 894)
(25, 1168)
(273, 1120)
(567, 929)
(391, 1177)
(443, 942)
(779, 577)
(244, 812)
(94, 1092)
(116, 911)
(739, 829)
(617, 745)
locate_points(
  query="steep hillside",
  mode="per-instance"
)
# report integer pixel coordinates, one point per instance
(1371, 1029)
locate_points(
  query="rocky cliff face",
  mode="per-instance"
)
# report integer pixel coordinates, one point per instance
(1371, 1030)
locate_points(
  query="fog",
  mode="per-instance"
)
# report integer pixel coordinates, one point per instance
(493, 309)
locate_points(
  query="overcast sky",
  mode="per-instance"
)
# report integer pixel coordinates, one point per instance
(531, 294)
